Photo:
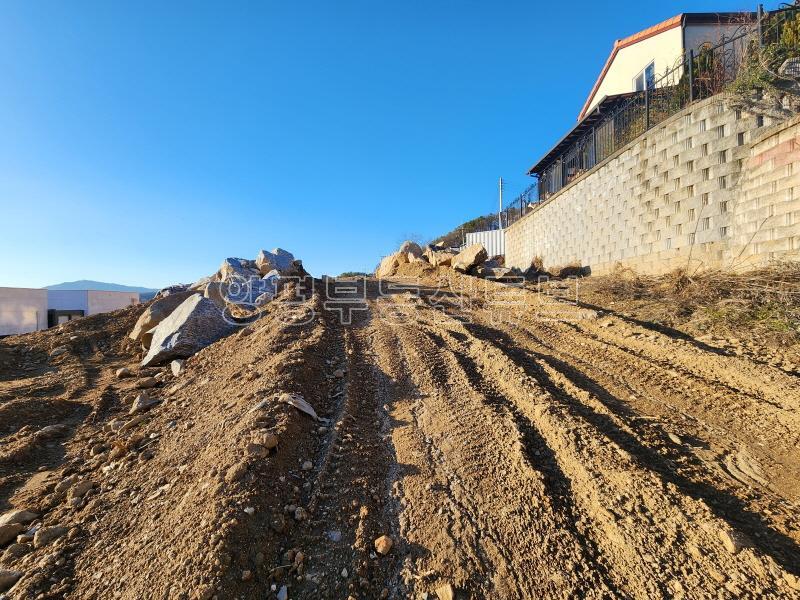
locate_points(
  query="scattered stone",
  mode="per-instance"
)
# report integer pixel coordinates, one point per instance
(66, 483)
(192, 326)
(58, 351)
(147, 382)
(133, 422)
(307, 466)
(10, 531)
(300, 514)
(383, 545)
(335, 536)
(257, 450)
(445, 592)
(731, 540)
(267, 439)
(344, 573)
(675, 439)
(247, 575)
(45, 535)
(176, 366)
(123, 373)
(17, 550)
(141, 403)
(283, 593)
(80, 489)
(299, 403)
(338, 373)
(250, 510)
(8, 578)
(18, 516)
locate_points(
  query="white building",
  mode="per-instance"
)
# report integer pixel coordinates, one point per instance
(23, 310)
(637, 61)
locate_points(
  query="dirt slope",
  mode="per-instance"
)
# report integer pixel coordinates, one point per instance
(512, 446)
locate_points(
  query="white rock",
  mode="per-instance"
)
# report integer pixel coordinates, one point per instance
(177, 366)
(192, 326)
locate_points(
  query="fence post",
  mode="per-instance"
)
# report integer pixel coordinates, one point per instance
(760, 25)
(691, 75)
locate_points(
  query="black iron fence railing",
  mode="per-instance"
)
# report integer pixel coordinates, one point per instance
(697, 75)
(521, 206)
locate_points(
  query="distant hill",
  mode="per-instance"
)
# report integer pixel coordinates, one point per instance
(85, 284)
(456, 237)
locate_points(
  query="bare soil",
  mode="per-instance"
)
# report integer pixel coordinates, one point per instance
(511, 443)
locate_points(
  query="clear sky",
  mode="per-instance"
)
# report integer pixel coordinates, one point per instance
(142, 142)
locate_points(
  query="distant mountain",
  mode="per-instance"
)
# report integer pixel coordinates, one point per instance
(85, 284)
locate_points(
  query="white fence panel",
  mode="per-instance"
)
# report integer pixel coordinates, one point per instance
(494, 241)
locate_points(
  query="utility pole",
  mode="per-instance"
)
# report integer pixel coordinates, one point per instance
(500, 213)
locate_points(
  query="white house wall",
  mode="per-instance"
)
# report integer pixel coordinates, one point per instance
(100, 302)
(664, 48)
(68, 300)
(696, 35)
(22, 310)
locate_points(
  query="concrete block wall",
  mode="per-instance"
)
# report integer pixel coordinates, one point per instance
(767, 214)
(670, 198)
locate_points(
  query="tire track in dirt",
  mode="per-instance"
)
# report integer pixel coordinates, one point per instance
(505, 526)
(662, 523)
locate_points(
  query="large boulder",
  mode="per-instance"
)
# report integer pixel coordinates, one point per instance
(157, 312)
(237, 269)
(439, 258)
(408, 252)
(216, 291)
(279, 260)
(469, 257)
(410, 248)
(192, 326)
(496, 273)
(172, 289)
(389, 265)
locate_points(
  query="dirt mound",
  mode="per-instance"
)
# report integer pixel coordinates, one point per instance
(475, 437)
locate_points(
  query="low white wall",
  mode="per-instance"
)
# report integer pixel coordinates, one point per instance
(22, 310)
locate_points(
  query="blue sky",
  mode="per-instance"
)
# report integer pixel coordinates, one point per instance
(143, 142)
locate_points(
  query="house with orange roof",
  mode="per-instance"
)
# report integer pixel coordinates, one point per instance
(636, 61)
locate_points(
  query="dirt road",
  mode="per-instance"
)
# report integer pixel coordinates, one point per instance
(511, 444)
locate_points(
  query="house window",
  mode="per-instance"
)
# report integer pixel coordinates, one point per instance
(645, 79)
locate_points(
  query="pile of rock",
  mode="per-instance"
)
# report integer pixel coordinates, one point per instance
(183, 319)
(472, 260)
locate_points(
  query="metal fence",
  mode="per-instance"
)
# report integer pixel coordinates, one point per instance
(697, 75)
(521, 206)
(494, 240)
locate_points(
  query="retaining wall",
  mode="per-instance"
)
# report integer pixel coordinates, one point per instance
(709, 187)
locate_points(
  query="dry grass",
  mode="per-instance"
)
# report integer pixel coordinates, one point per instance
(767, 299)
